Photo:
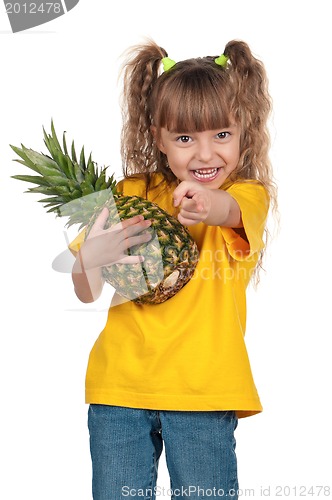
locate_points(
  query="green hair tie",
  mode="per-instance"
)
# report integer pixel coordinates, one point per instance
(221, 60)
(168, 63)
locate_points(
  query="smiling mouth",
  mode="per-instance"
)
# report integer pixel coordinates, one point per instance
(205, 173)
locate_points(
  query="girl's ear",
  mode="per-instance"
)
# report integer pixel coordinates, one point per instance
(158, 140)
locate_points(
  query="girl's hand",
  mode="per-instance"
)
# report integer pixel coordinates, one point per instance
(104, 247)
(194, 201)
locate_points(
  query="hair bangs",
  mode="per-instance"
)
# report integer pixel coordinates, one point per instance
(193, 101)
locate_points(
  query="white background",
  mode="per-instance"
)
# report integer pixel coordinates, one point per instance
(67, 69)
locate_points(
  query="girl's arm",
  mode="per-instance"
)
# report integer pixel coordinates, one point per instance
(214, 207)
(104, 247)
(88, 284)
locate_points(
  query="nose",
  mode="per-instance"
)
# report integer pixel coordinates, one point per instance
(205, 151)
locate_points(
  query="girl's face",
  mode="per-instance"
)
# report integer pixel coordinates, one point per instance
(207, 157)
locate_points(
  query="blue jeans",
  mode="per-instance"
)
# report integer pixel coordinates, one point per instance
(126, 444)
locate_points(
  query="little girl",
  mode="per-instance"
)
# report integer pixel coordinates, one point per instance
(177, 374)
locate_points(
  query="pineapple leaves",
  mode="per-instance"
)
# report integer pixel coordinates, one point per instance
(79, 175)
(64, 143)
(70, 187)
(38, 162)
(82, 160)
(34, 179)
(73, 152)
(54, 137)
(26, 161)
(101, 180)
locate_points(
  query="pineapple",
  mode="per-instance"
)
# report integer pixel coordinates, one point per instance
(78, 189)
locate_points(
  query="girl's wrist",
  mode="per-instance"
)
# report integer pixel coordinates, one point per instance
(83, 264)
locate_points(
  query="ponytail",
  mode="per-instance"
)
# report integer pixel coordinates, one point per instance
(251, 105)
(250, 81)
(141, 72)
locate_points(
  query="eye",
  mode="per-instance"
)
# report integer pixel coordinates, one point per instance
(183, 138)
(223, 135)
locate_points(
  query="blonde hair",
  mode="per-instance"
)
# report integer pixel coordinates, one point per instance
(196, 95)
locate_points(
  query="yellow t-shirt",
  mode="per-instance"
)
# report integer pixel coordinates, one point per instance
(187, 353)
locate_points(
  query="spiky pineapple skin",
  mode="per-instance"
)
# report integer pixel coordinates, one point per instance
(170, 257)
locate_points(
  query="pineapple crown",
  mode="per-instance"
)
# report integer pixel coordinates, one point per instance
(72, 187)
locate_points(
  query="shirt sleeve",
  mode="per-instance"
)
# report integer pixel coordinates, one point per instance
(253, 201)
(76, 244)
